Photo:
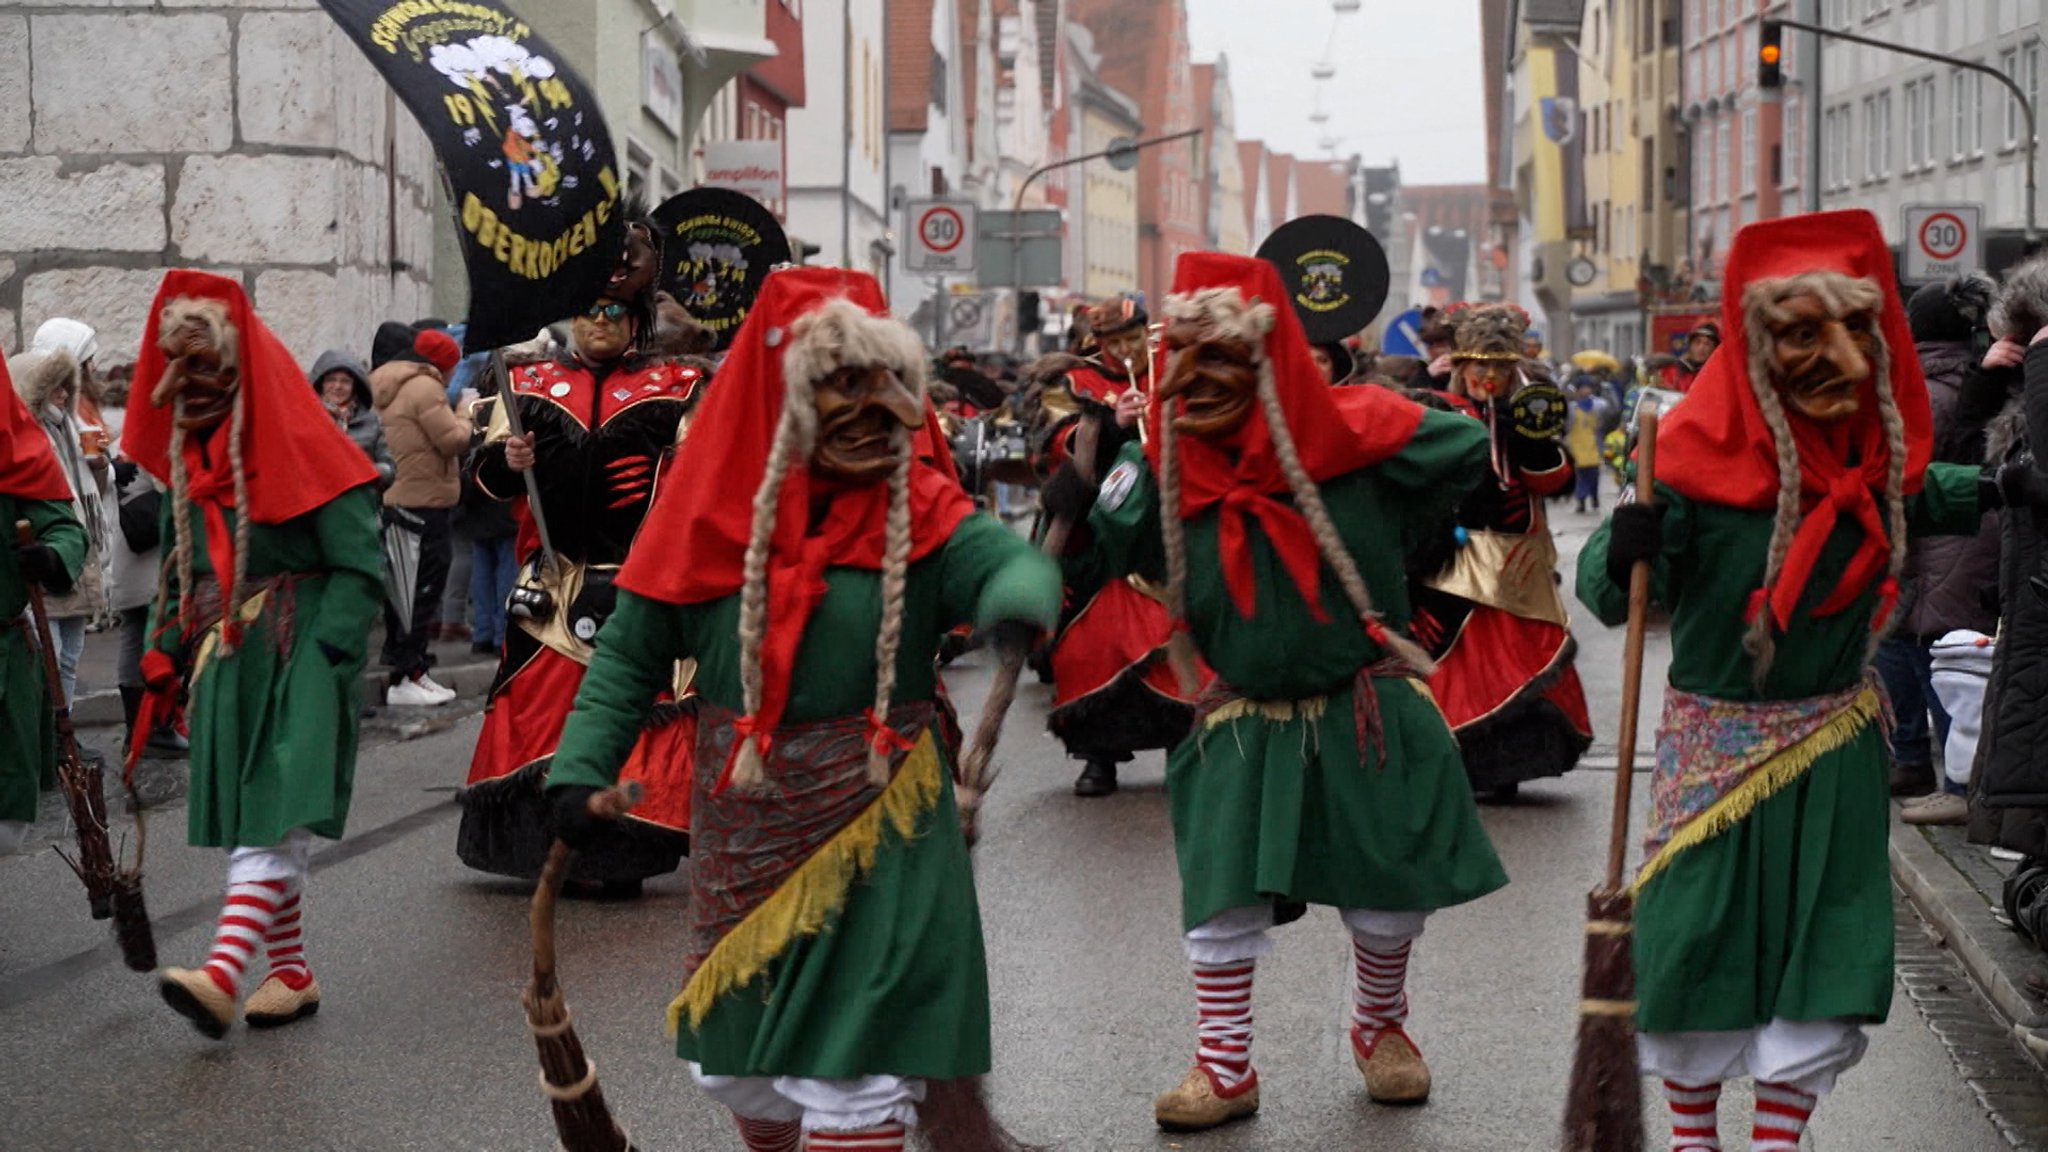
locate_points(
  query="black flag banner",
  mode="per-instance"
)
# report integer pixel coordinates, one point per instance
(717, 247)
(529, 164)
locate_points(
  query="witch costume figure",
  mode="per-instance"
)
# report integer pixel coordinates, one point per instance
(1318, 770)
(32, 488)
(1487, 606)
(601, 420)
(265, 607)
(1787, 485)
(1114, 694)
(835, 982)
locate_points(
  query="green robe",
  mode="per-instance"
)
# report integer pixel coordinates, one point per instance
(273, 724)
(1788, 914)
(1283, 803)
(897, 982)
(28, 735)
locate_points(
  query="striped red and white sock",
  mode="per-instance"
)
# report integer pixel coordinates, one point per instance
(882, 1138)
(1223, 1001)
(1379, 989)
(770, 1135)
(285, 943)
(245, 919)
(1781, 1115)
(1695, 1116)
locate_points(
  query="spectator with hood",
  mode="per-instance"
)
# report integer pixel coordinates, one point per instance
(344, 390)
(1950, 582)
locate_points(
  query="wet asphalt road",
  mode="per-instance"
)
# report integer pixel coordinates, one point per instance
(421, 1043)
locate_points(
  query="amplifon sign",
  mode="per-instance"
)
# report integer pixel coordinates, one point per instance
(752, 167)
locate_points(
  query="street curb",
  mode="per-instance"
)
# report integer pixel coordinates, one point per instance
(102, 709)
(1962, 916)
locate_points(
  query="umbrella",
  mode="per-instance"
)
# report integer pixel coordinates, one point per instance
(402, 532)
(1593, 360)
(1604, 1106)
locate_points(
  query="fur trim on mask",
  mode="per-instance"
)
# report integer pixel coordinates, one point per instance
(1840, 293)
(2022, 308)
(842, 334)
(37, 374)
(1222, 315)
(2007, 432)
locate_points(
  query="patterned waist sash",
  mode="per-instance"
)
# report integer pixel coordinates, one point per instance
(771, 866)
(1221, 704)
(1718, 759)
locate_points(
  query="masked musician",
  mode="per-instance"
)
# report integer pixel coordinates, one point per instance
(1318, 771)
(601, 420)
(1487, 606)
(835, 977)
(1763, 916)
(32, 488)
(267, 597)
(1114, 694)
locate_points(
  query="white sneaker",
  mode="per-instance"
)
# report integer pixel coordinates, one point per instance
(412, 694)
(443, 691)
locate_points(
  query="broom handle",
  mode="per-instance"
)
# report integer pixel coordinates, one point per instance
(611, 804)
(1632, 660)
(1003, 692)
(24, 537)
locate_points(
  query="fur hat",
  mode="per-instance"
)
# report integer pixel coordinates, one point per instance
(1953, 311)
(2022, 308)
(1116, 314)
(1491, 332)
(38, 372)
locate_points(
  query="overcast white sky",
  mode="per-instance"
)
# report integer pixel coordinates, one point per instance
(1407, 84)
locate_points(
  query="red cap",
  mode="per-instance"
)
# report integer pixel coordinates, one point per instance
(439, 349)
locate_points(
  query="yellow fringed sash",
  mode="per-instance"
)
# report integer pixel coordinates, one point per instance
(1278, 711)
(816, 891)
(1764, 781)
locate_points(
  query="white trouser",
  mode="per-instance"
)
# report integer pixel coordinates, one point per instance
(1244, 933)
(1807, 1054)
(286, 861)
(822, 1105)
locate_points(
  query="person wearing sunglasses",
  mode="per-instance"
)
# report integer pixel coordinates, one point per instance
(600, 420)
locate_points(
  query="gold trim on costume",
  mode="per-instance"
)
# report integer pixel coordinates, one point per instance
(246, 615)
(1513, 572)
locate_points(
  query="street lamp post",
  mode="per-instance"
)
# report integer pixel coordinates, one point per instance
(1122, 154)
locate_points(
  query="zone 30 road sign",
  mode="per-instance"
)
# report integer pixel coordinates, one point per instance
(1942, 240)
(941, 237)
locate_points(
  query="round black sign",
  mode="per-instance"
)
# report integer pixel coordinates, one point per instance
(1336, 274)
(717, 246)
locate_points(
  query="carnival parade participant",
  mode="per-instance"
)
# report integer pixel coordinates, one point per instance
(32, 488)
(835, 976)
(1318, 771)
(1700, 344)
(1786, 486)
(1491, 614)
(601, 420)
(1114, 694)
(265, 607)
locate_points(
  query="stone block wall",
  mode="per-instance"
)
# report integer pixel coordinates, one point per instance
(244, 137)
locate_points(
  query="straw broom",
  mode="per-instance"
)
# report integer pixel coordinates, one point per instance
(1604, 1107)
(568, 1077)
(83, 787)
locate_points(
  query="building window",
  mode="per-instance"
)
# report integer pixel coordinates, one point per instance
(1876, 8)
(2009, 63)
(639, 171)
(1699, 19)
(2031, 81)
(1966, 98)
(1870, 135)
(1750, 144)
(1793, 170)
(1916, 132)
(1721, 146)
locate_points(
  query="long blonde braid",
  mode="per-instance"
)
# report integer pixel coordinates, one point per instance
(231, 600)
(181, 534)
(750, 772)
(895, 576)
(1894, 485)
(1309, 500)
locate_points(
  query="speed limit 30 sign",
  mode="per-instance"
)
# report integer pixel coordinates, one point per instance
(941, 236)
(1942, 240)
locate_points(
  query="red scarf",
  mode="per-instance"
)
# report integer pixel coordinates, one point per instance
(28, 466)
(1337, 431)
(295, 458)
(694, 545)
(1716, 448)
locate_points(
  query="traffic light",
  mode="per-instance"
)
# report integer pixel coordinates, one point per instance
(1770, 54)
